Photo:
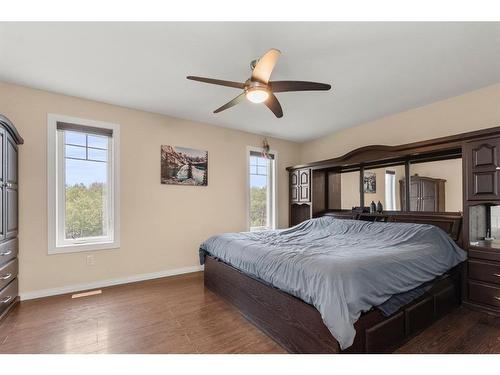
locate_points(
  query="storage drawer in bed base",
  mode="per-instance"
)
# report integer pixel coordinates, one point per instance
(386, 336)
(298, 327)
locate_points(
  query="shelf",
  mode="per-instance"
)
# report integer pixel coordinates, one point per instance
(485, 245)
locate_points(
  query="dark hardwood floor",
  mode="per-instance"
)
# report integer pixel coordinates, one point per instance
(177, 315)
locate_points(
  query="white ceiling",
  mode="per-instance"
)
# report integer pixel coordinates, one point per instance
(376, 69)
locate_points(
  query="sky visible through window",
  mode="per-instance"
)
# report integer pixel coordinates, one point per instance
(258, 171)
(86, 155)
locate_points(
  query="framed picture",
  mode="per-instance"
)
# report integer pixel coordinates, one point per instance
(184, 166)
(370, 182)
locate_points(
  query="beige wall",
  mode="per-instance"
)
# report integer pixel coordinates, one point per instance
(349, 190)
(474, 110)
(161, 225)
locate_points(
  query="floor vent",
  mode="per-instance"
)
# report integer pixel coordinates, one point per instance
(87, 294)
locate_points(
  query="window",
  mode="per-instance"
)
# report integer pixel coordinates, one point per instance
(261, 190)
(82, 185)
(390, 190)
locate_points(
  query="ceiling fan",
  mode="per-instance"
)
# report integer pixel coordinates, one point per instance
(258, 88)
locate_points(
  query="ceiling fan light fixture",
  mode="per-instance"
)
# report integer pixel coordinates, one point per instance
(259, 89)
(257, 95)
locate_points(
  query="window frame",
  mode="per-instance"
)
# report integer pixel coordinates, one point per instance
(272, 206)
(392, 173)
(55, 175)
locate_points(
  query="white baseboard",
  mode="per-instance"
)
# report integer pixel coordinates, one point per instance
(104, 283)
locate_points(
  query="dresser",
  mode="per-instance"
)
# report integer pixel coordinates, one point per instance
(9, 244)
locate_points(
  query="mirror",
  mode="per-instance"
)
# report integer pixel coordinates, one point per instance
(436, 186)
(349, 186)
(484, 226)
(381, 185)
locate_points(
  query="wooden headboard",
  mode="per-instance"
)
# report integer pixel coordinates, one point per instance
(450, 222)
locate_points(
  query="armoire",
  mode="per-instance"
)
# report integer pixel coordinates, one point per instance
(9, 223)
(426, 193)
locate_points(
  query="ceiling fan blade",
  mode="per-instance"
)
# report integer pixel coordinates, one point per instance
(237, 85)
(283, 86)
(231, 103)
(265, 65)
(274, 105)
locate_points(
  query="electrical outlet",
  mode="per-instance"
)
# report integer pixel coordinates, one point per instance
(90, 260)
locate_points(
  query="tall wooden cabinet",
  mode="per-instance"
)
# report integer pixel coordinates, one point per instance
(426, 194)
(482, 198)
(9, 183)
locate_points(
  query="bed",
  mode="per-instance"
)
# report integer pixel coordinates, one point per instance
(332, 285)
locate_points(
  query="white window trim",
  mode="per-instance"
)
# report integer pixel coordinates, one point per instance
(52, 168)
(274, 212)
(392, 197)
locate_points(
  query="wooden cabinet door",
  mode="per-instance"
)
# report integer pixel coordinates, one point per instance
(294, 186)
(304, 193)
(305, 185)
(294, 178)
(294, 193)
(482, 167)
(484, 154)
(428, 195)
(11, 186)
(2, 183)
(300, 186)
(304, 177)
(415, 194)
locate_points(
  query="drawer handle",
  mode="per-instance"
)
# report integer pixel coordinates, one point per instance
(6, 277)
(6, 299)
(497, 298)
(4, 254)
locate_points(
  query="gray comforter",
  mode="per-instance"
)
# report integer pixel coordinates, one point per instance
(342, 267)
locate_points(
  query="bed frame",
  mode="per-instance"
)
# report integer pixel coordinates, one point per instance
(298, 326)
